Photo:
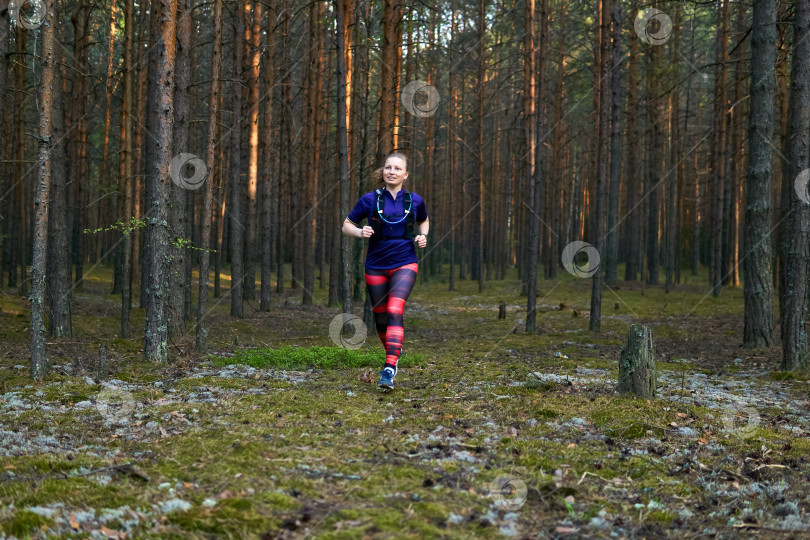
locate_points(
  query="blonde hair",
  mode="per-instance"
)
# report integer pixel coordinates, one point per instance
(376, 178)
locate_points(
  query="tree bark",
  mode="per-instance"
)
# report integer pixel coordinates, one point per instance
(530, 137)
(249, 292)
(602, 158)
(126, 180)
(50, 83)
(637, 369)
(343, 152)
(211, 162)
(237, 228)
(719, 152)
(392, 16)
(796, 233)
(179, 193)
(269, 216)
(612, 238)
(757, 273)
(635, 182)
(479, 221)
(161, 113)
(58, 271)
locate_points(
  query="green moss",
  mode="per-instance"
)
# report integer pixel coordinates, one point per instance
(288, 357)
(24, 524)
(661, 516)
(787, 376)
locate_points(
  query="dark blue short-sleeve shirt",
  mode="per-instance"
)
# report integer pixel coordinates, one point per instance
(387, 253)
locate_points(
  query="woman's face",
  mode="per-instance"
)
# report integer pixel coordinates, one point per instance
(394, 172)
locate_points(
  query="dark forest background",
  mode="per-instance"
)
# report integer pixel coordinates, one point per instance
(189, 144)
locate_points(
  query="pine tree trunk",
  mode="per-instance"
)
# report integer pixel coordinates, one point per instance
(50, 85)
(211, 162)
(236, 225)
(796, 234)
(634, 179)
(530, 137)
(312, 154)
(249, 292)
(391, 30)
(612, 238)
(159, 155)
(656, 117)
(718, 155)
(269, 216)
(20, 251)
(602, 159)
(179, 193)
(58, 271)
(285, 168)
(126, 181)
(343, 152)
(81, 36)
(757, 273)
(479, 222)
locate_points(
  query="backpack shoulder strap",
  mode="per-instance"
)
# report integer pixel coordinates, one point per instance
(379, 198)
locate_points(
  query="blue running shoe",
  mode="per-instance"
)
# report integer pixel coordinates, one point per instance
(387, 378)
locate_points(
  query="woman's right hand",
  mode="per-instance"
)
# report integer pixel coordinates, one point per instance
(366, 232)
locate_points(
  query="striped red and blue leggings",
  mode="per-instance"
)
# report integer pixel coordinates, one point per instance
(388, 290)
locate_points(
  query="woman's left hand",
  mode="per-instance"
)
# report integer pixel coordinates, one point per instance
(420, 240)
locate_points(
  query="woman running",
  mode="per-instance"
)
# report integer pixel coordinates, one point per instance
(397, 219)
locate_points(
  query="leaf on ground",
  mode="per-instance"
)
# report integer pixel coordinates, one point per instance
(73, 522)
(109, 533)
(367, 376)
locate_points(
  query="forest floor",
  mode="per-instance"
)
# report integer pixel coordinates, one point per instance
(491, 432)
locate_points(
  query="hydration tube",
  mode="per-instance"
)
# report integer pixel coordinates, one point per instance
(380, 212)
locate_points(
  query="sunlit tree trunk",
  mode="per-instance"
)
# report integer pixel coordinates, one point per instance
(253, 147)
(49, 86)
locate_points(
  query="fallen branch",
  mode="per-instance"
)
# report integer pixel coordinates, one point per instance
(611, 481)
(126, 468)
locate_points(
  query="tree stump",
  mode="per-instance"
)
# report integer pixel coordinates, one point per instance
(502, 310)
(637, 372)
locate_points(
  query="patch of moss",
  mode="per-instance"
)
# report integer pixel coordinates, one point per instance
(24, 524)
(288, 357)
(662, 516)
